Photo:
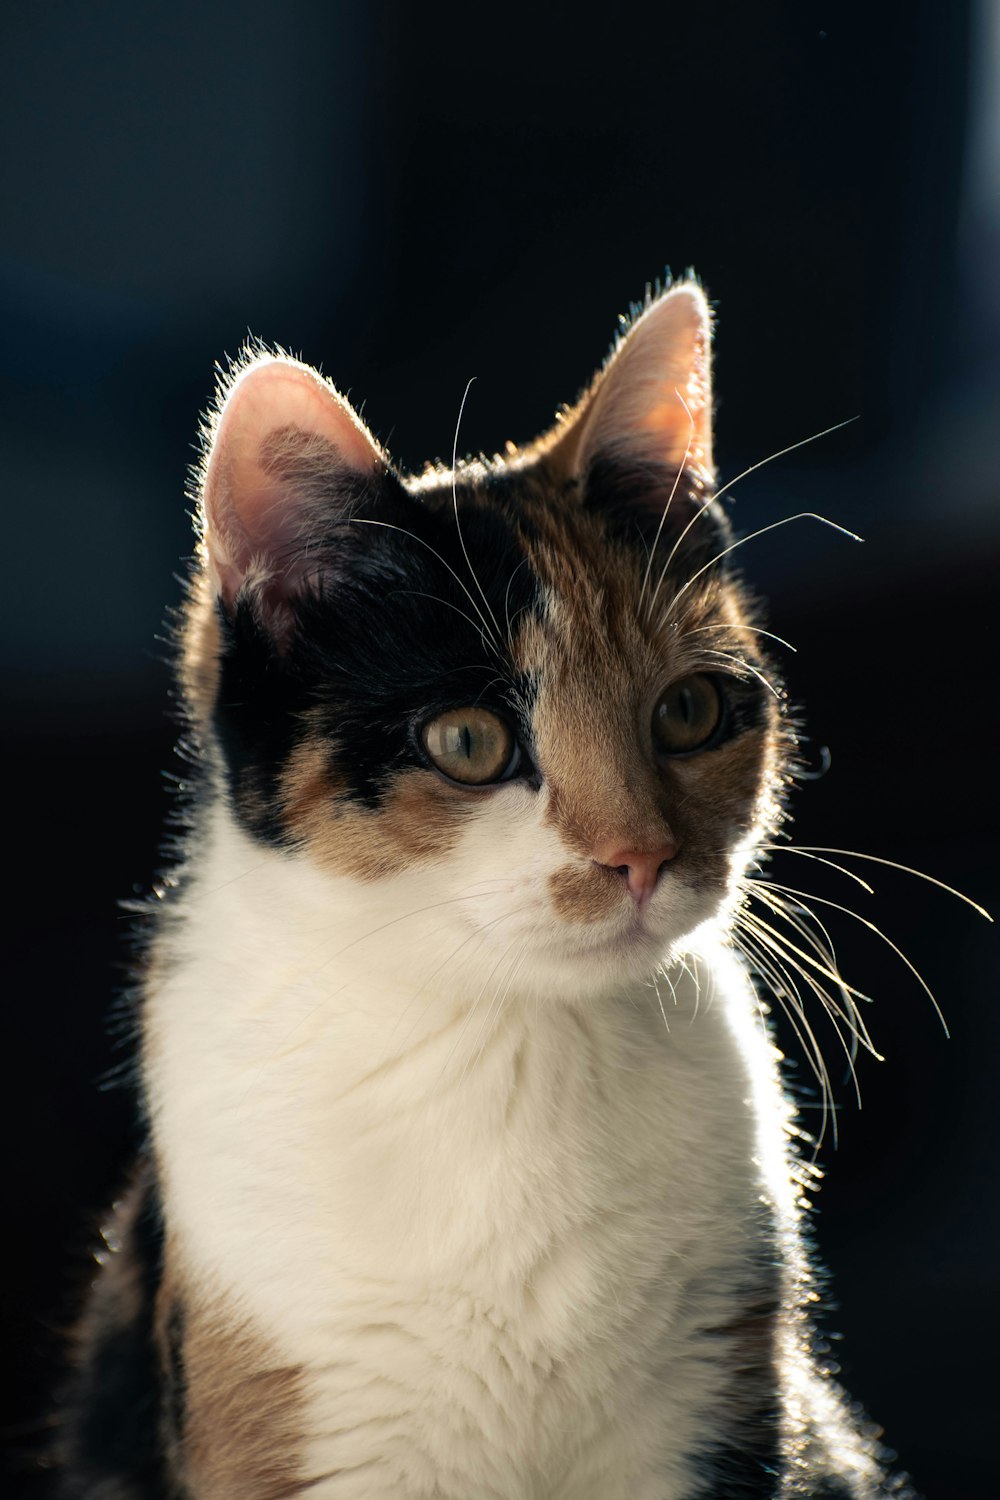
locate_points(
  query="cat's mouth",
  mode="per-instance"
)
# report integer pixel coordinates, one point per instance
(627, 938)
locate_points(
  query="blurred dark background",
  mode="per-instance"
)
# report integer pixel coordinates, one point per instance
(413, 195)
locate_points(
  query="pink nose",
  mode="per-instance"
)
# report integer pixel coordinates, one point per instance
(641, 867)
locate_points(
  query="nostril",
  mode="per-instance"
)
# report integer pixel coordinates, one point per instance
(639, 868)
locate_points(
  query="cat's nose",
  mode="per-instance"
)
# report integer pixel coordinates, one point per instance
(641, 867)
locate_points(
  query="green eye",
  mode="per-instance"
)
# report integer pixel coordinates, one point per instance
(470, 745)
(687, 715)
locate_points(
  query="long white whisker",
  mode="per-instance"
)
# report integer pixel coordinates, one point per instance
(724, 625)
(436, 599)
(506, 598)
(495, 1008)
(809, 854)
(475, 1004)
(670, 497)
(403, 917)
(802, 515)
(746, 666)
(892, 864)
(477, 932)
(850, 1011)
(701, 511)
(802, 443)
(659, 1000)
(786, 993)
(824, 901)
(850, 1015)
(404, 531)
(822, 946)
(767, 893)
(458, 524)
(770, 940)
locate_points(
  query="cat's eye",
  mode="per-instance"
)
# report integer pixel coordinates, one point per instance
(470, 745)
(687, 715)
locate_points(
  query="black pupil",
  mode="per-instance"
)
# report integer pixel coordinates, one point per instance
(687, 705)
(466, 741)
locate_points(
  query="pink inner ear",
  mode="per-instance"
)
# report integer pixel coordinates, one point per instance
(654, 399)
(255, 511)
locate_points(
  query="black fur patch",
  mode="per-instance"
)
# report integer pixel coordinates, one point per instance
(401, 625)
(642, 508)
(751, 1465)
(110, 1443)
(174, 1405)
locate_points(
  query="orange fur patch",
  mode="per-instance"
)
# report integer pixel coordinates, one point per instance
(418, 822)
(240, 1411)
(594, 665)
(584, 893)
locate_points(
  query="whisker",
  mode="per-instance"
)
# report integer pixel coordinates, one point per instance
(495, 1008)
(475, 1004)
(825, 901)
(701, 511)
(746, 666)
(506, 599)
(435, 599)
(730, 485)
(849, 1012)
(404, 531)
(403, 917)
(802, 515)
(767, 938)
(692, 974)
(285, 1048)
(788, 996)
(767, 893)
(673, 491)
(809, 854)
(724, 625)
(824, 948)
(477, 932)
(785, 991)
(659, 999)
(778, 943)
(892, 864)
(454, 498)
(802, 443)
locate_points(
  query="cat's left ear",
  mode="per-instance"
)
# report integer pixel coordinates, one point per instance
(286, 456)
(650, 407)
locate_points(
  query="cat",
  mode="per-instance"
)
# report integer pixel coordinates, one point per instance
(469, 1171)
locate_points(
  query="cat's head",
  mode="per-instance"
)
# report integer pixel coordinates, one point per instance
(527, 691)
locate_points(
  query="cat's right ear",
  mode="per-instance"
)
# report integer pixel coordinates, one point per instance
(285, 455)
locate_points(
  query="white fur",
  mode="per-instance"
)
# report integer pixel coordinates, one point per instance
(464, 1164)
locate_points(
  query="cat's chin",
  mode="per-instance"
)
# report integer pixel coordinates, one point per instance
(590, 965)
(587, 961)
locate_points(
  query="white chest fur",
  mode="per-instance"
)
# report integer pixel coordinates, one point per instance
(491, 1229)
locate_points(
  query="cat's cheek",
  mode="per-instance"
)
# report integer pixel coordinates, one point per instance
(418, 822)
(506, 851)
(717, 798)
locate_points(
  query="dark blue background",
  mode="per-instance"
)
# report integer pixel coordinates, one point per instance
(412, 195)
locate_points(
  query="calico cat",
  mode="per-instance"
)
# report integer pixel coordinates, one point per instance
(469, 1171)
